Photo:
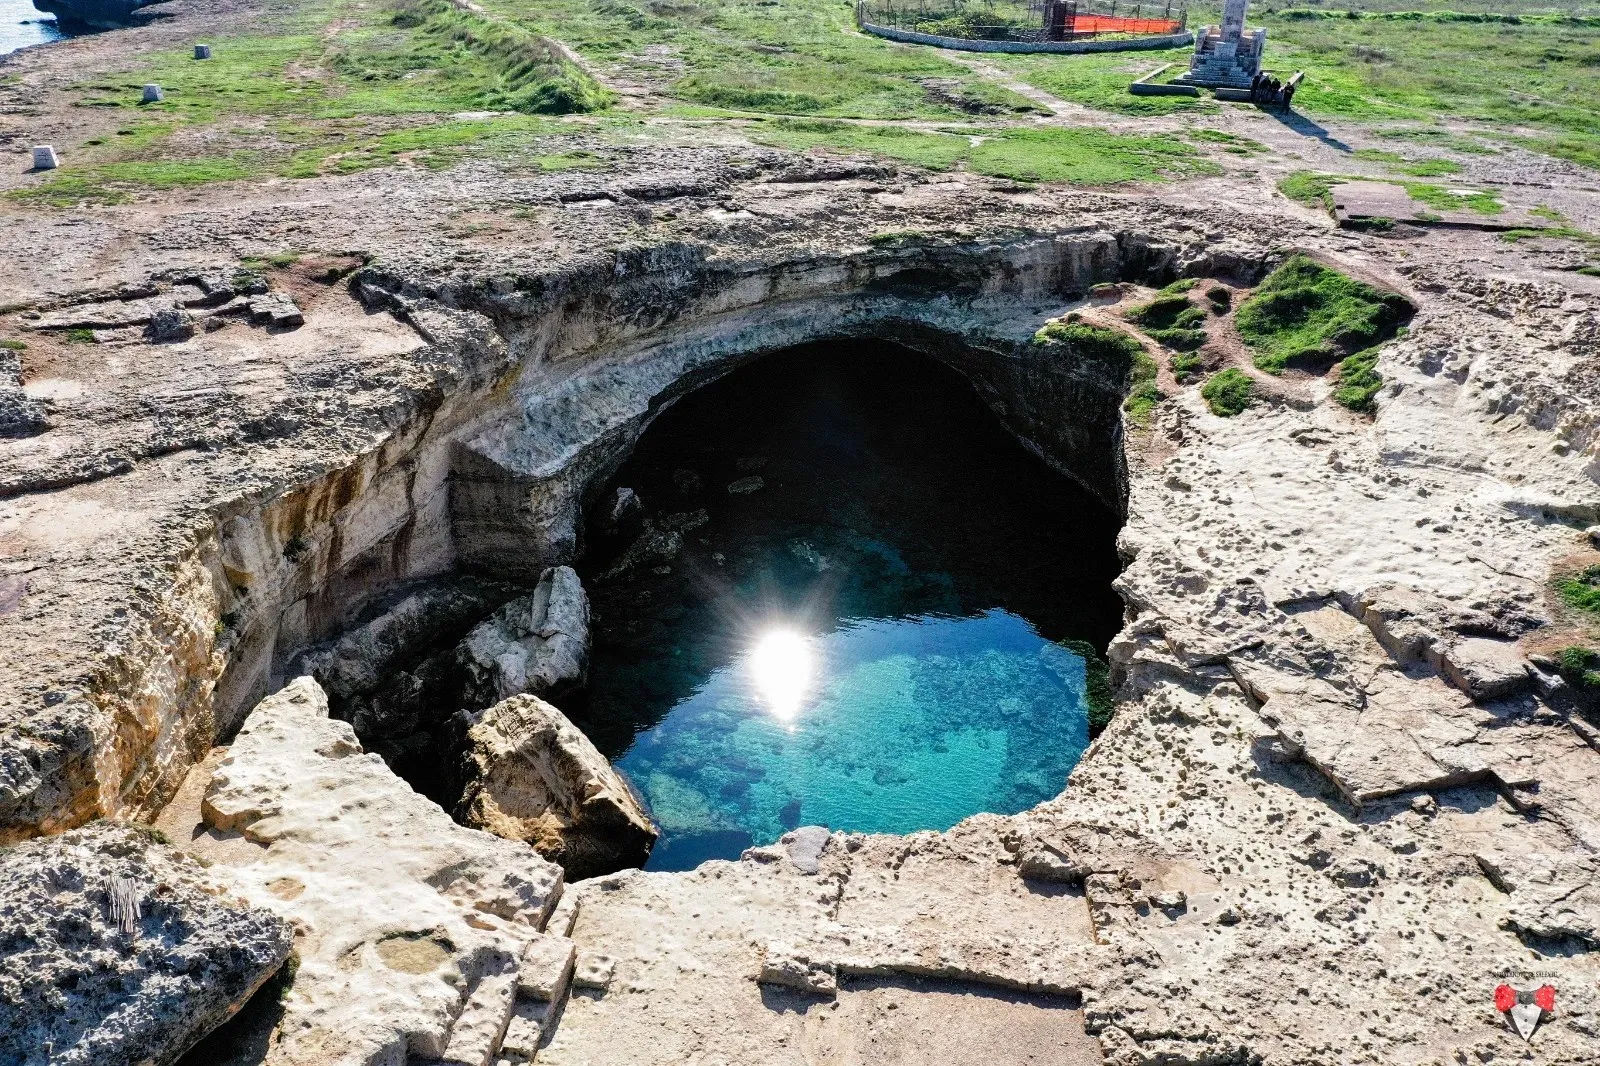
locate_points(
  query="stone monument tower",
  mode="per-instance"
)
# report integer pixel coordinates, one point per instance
(1227, 55)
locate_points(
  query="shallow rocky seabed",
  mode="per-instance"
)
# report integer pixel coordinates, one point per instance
(1332, 811)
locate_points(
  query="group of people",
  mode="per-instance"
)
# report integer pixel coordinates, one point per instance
(1266, 89)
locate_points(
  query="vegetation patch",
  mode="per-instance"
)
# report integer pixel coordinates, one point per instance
(1581, 591)
(1311, 188)
(1220, 297)
(1101, 81)
(1581, 668)
(1073, 156)
(1184, 366)
(1228, 392)
(1359, 380)
(1305, 314)
(1115, 348)
(1417, 168)
(1171, 319)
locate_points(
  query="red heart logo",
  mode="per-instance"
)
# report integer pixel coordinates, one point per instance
(1545, 997)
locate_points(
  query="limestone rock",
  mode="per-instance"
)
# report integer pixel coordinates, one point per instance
(170, 324)
(805, 847)
(538, 643)
(275, 310)
(76, 989)
(789, 967)
(532, 775)
(410, 925)
(623, 516)
(1552, 896)
(20, 414)
(746, 485)
(1484, 669)
(367, 655)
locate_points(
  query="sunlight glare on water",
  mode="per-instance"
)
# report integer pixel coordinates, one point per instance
(781, 669)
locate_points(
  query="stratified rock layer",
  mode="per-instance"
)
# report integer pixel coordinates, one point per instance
(532, 775)
(409, 926)
(80, 986)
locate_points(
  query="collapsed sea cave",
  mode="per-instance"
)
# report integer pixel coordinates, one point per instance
(842, 595)
(823, 585)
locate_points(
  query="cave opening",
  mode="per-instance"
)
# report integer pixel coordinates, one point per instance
(830, 588)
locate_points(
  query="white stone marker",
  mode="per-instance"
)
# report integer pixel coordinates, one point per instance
(202, 51)
(153, 94)
(44, 157)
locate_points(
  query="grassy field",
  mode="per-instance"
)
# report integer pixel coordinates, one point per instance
(336, 86)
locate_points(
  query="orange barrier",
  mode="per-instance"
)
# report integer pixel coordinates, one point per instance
(1118, 24)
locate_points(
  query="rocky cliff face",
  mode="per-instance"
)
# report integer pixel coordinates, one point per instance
(98, 14)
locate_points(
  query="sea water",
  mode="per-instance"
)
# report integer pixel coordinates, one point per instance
(888, 635)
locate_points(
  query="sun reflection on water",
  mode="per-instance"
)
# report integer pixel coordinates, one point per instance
(782, 668)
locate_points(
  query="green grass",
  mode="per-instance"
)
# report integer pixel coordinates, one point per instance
(1101, 81)
(1581, 667)
(1143, 393)
(1310, 188)
(800, 58)
(1171, 319)
(1184, 366)
(1071, 156)
(1228, 392)
(1359, 380)
(1305, 314)
(1417, 168)
(312, 94)
(1581, 591)
(13, 346)
(1485, 203)
(1527, 71)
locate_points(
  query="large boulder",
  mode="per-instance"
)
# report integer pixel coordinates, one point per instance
(410, 926)
(532, 775)
(117, 949)
(538, 643)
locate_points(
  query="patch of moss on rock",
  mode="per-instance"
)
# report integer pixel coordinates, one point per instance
(1307, 315)
(1228, 392)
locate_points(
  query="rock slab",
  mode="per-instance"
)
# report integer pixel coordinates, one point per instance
(410, 926)
(85, 981)
(532, 775)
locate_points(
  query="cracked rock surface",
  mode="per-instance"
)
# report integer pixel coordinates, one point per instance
(79, 985)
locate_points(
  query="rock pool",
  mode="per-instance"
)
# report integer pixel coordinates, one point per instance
(878, 619)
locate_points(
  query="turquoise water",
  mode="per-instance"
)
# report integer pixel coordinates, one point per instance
(934, 586)
(914, 723)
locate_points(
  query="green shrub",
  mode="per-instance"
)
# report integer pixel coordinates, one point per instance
(80, 335)
(1359, 380)
(1582, 590)
(1306, 314)
(1228, 392)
